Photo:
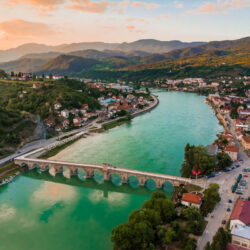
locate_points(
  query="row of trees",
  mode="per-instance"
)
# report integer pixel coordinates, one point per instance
(156, 224)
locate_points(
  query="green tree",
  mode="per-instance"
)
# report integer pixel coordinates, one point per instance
(220, 240)
(224, 160)
(164, 207)
(195, 221)
(211, 197)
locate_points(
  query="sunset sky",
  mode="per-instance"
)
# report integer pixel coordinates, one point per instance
(65, 21)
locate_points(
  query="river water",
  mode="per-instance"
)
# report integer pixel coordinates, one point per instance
(40, 212)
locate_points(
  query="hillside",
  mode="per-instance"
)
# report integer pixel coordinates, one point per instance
(148, 46)
(65, 64)
(23, 65)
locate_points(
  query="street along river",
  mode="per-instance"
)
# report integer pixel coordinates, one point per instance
(38, 211)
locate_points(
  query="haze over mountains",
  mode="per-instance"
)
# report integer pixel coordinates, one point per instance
(149, 45)
(142, 54)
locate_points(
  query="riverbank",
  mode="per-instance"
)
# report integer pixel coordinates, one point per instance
(98, 128)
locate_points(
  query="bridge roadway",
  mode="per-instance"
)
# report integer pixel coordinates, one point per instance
(71, 168)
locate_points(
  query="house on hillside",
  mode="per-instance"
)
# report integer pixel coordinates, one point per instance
(57, 105)
(65, 113)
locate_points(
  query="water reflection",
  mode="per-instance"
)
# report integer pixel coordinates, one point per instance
(105, 188)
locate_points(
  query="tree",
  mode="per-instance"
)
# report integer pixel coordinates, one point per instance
(131, 235)
(211, 197)
(220, 240)
(195, 221)
(2, 73)
(164, 207)
(196, 158)
(224, 160)
(234, 113)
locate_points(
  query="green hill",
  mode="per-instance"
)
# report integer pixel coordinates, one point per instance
(65, 64)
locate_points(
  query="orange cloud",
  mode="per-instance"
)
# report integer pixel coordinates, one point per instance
(41, 5)
(18, 27)
(130, 27)
(221, 6)
(131, 19)
(17, 31)
(88, 6)
(145, 5)
(166, 16)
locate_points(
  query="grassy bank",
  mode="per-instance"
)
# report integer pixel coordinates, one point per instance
(9, 169)
(116, 123)
(56, 150)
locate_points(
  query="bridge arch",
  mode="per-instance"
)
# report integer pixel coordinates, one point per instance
(66, 172)
(168, 187)
(81, 173)
(53, 170)
(34, 166)
(133, 181)
(150, 184)
(98, 176)
(116, 179)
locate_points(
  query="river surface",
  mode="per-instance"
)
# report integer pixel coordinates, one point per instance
(40, 212)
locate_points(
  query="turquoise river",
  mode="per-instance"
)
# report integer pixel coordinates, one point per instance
(40, 212)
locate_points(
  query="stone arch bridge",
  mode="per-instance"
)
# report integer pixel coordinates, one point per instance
(71, 168)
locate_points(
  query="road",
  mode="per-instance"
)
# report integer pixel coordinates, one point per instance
(93, 124)
(226, 181)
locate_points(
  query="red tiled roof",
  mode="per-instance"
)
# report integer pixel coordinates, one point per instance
(192, 198)
(246, 139)
(230, 246)
(231, 149)
(241, 211)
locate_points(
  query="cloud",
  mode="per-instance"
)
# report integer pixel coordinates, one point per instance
(89, 6)
(145, 5)
(166, 16)
(221, 6)
(130, 27)
(22, 28)
(132, 19)
(42, 6)
(179, 5)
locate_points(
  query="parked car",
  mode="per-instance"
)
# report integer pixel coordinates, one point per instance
(238, 192)
(230, 201)
(210, 176)
(245, 175)
(237, 166)
(233, 167)
(228, 209)
(228, 169)
(219, 173)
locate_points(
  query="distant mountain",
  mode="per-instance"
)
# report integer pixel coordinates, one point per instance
(148, 46)
(65, 64)
(155, 46)
(23, 65)
(212, 53)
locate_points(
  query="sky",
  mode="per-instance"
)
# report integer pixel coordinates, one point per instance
(56, 22)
